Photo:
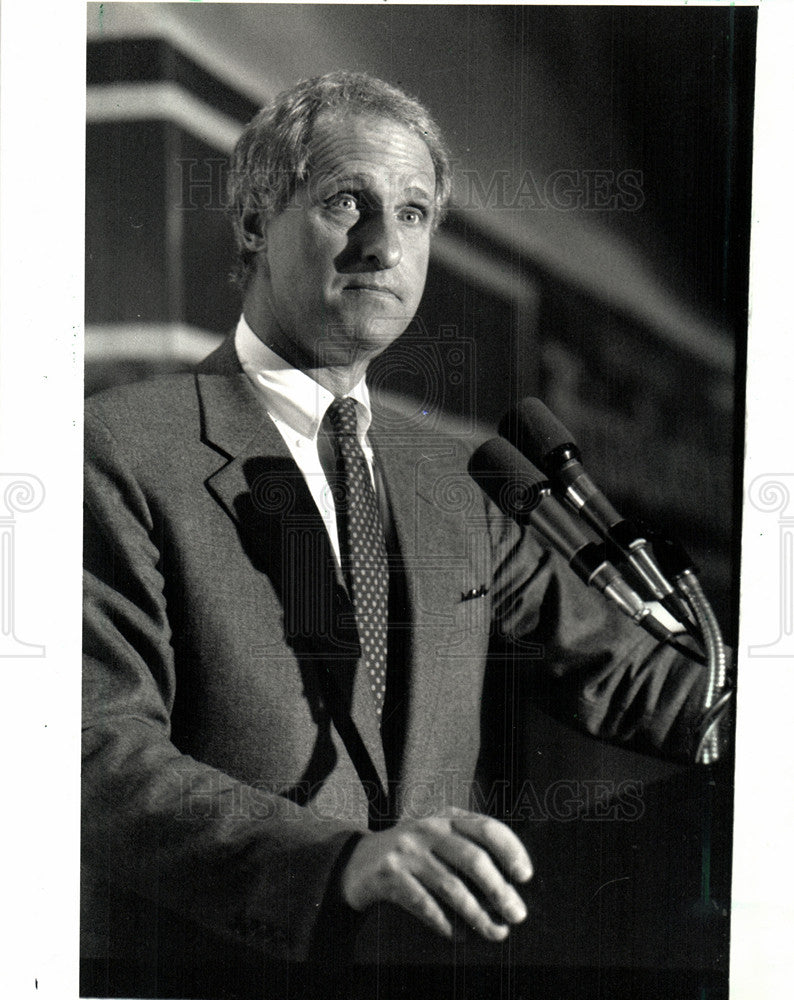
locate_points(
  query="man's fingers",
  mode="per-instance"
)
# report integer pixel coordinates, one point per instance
(475, 863)
(498, 839)
(408, 892)
(447, 887)
(453, 861)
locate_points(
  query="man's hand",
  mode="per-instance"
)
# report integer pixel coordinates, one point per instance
(454, 859)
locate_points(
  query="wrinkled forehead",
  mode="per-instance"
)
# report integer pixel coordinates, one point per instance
(369, 151)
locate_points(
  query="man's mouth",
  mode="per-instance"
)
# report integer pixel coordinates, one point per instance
(371, 286)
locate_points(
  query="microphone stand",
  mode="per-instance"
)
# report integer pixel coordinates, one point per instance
(676, 563)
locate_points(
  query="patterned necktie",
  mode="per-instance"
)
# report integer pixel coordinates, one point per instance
(362, 546)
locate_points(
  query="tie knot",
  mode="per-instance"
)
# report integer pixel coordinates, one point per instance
(342, 415)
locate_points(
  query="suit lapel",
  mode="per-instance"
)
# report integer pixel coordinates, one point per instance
(261, 488)
(236, 424)
(433, 553)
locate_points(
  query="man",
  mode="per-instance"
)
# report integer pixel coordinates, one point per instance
(287, 620)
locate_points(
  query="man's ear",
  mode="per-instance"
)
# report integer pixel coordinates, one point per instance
(253, 229)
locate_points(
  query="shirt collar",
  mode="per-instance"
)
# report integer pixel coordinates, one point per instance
(291, 396)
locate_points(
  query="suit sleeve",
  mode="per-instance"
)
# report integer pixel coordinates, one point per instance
(610, 676)
(249, 865)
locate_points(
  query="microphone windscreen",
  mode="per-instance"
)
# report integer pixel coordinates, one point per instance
(509, 479)
(534, 430)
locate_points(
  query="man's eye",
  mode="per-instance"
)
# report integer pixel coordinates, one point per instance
(412, 214)
(343, 201)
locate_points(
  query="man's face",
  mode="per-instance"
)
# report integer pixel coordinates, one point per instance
(346, 260)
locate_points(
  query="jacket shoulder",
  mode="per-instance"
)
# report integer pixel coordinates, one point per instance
(147, 406)
(170, 391)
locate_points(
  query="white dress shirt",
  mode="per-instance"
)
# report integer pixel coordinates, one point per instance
(297, 405)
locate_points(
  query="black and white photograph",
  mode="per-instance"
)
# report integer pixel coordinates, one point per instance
(346, 659)
(415, 382)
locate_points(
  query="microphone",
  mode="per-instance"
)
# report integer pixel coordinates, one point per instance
(539, 435)
(523, 493)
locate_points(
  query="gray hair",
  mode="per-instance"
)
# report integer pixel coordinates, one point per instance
(270, 159)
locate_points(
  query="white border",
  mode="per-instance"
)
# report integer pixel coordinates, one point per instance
(42, 129)
(41, 315)
(762, 928)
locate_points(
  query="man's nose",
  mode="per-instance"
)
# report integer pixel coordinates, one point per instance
(380, 245)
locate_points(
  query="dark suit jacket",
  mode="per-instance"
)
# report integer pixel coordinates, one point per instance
(231, 752)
